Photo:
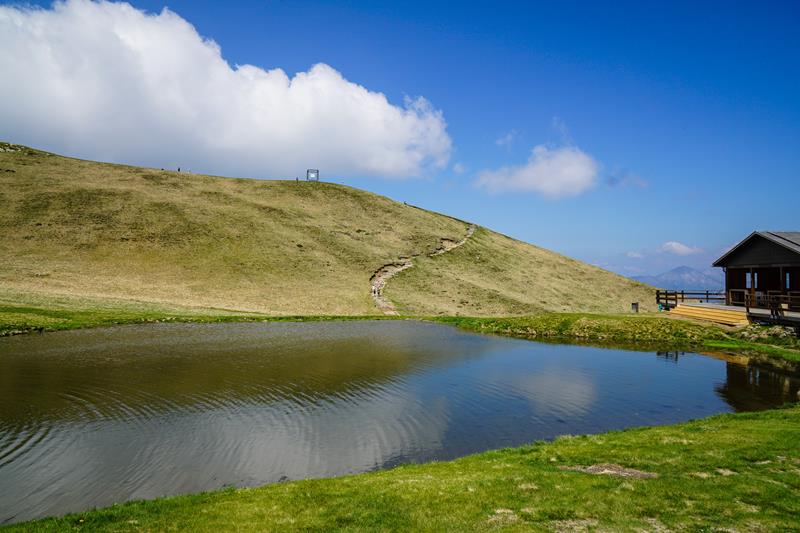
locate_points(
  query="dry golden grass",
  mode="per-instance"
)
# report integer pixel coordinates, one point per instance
(80, 229)
(494, 275)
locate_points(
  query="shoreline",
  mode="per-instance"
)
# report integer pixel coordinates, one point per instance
(626, 331)
(648, 478)
(640, 332)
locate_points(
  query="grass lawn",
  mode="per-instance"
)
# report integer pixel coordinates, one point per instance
(725, 473)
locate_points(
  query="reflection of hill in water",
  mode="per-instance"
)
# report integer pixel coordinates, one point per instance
(127, 370)
(753, 388)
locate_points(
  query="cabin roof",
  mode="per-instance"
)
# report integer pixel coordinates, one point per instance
(790, 239)
(787, 239)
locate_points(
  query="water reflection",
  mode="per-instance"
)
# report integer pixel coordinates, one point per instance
(562, 391)
(751, 388)
(669, 356)
(88, 418)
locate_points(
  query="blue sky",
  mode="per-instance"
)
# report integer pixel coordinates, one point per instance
(690, 112)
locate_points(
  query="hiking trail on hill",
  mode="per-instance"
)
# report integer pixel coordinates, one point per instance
(383, 274)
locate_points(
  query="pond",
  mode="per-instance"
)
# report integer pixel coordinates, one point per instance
(93, 417)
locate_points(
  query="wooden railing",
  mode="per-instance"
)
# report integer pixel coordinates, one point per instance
(776, 301)
(773, 300)
(670, 299)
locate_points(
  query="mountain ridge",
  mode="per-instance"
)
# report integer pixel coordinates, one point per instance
(685, 278)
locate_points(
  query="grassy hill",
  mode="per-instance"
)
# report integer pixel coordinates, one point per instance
(78, 231)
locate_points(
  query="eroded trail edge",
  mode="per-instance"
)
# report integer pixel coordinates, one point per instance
(385, 273)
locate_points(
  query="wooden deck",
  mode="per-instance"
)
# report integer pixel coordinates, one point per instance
(733, 315)
(721, 314)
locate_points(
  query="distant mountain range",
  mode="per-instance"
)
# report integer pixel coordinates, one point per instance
(687, 278)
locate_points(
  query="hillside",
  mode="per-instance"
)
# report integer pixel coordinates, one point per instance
(74, 229)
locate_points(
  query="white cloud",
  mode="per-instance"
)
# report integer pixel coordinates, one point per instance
(106, 80)
(551, 172)
(678, 248)
(459, 168)
(507, 139)
(634, 255)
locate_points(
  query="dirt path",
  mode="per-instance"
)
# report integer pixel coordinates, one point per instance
(384, 273)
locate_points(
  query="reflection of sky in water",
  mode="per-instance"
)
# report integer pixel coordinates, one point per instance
(555, 391)
(101, 416)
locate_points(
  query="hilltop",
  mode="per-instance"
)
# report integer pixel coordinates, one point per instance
(80, 231)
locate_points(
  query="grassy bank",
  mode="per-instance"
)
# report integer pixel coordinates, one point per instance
(21, 314)
(24, 313)
(637, 331)
(740, 472)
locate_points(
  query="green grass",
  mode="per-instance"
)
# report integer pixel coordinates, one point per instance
(96, 230)
(725, 473)
(638, 331)
(772, 351)
(15, 320)
(49, 314)
(24, 314)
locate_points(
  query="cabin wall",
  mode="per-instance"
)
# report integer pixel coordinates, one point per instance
(769, 279)
(736, 278)
(794, 278)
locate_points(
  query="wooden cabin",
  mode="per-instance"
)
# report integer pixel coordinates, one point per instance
(762, 270)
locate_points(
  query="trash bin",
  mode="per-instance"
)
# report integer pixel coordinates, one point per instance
(635, 307)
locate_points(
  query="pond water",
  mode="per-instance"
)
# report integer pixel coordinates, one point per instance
(93, 417)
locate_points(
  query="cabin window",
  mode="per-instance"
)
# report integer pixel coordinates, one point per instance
(788, 281)
(751, 280)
